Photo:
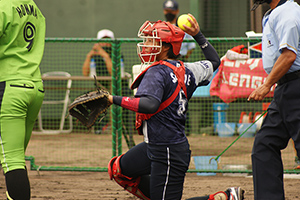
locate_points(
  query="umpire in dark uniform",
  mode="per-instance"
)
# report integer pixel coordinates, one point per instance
(281, 60)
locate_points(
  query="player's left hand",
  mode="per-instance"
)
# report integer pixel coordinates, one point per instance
(194, 29)
(88, 107)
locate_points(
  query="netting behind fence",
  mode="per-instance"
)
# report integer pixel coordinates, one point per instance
(213, 122)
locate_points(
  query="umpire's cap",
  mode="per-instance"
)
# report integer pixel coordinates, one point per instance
(170, 5)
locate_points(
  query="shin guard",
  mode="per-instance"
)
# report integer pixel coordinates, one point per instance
(128, 183)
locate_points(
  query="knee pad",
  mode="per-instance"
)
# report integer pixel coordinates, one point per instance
(128, 183)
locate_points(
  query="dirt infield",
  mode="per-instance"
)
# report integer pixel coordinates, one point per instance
(48, 185)
(96, 185)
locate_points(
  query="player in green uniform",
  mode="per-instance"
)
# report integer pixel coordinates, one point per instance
(22, 40)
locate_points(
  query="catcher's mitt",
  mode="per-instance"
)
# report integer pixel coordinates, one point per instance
(88, 107)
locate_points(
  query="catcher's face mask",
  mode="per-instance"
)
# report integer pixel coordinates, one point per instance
(158, 32)
(151, 45)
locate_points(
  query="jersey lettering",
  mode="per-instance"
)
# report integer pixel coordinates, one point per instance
(187, 79)
(26, 9)
(29, 34)
(205, 64)
(182, 103)
(173, 76)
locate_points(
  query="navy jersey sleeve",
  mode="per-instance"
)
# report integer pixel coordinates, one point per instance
(153, 83)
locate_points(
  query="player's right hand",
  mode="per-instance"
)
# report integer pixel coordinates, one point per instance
(194, 29)
(259, 93)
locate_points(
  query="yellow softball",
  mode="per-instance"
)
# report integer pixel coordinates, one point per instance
(183, 20)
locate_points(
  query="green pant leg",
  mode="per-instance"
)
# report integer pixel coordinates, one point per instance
(33, 110)
(20, 105)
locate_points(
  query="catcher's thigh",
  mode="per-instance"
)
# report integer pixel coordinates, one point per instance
(128, 183)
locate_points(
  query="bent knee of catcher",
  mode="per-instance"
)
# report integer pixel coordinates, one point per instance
(128, 183)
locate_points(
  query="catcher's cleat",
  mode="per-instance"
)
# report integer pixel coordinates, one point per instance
(217, 196)
(233, 193)
(297, 162)
(236, 193)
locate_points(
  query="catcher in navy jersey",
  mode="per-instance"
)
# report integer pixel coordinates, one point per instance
(155, 169)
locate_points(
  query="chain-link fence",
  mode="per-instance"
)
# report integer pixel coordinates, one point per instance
(216, 121)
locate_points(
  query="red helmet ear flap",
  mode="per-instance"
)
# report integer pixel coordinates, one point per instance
(170, 33)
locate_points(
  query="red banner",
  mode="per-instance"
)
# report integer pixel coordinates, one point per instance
(238, 78)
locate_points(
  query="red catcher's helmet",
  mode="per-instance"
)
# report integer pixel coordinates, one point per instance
(159, 31)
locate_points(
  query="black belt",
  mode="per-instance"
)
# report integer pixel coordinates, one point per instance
(289, 77)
